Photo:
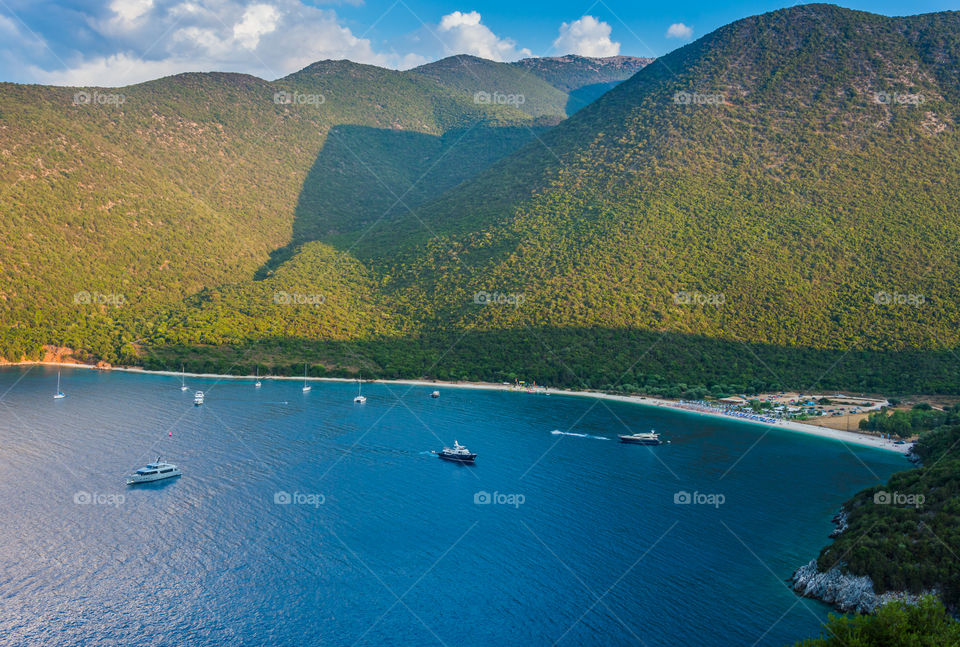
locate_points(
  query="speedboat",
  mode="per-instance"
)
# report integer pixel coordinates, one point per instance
(643, 438)
(198, 398)
(154, 472)
(435, 394)
(457, 453)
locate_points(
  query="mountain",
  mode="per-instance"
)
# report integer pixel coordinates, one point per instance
(782, 181)
(147, 194)
(769, 206)
(489, 82)
(158, 190)
(583, 78)
(547, 88)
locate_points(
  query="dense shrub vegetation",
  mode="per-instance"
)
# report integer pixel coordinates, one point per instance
(906, 423)
(894, 625)
(780, 222)
(905, 534)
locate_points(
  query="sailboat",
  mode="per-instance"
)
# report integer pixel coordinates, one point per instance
(183, 384)
(306, 387)
(360, 397)
(258, 385)
(60, 394)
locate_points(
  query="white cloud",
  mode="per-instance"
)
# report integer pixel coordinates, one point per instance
(464, 33)
(128, 11)
(679, 30)
(114, 70)
(258, 20)
(586, 37)
(7, 25)
(270, 38)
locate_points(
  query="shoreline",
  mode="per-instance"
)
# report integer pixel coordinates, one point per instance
(852, 437)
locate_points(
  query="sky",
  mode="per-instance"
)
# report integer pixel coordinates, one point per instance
(118, 42)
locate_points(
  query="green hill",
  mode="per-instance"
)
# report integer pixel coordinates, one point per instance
(772, 182)
(768, 206)
(158, 190)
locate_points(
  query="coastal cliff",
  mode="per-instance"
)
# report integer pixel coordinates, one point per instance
(847, 593)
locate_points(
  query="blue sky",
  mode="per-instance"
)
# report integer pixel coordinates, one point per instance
(117, 42)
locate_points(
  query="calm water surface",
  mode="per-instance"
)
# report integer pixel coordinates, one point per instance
(382, 543)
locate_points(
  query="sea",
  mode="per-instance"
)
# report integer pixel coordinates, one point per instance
(303, 518)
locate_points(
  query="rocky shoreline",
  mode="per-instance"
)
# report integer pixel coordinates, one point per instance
(847, 593)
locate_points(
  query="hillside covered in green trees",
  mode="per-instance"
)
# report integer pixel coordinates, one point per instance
(905, 534)
(770, 206)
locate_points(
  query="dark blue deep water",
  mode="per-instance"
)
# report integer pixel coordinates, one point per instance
(383, 543)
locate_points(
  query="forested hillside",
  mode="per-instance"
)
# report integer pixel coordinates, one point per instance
(771, 205)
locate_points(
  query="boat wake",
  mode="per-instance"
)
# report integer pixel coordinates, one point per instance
(557, 432)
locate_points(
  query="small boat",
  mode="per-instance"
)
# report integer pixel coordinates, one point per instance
(457, 453)
(643, 438)
(60, 394)
(360, 397)
(306, 387)
(198, 398)
(258, 385)
(435, 394)
(183, 384)
(156, 471)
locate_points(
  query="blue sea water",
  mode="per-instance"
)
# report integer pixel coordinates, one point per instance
(306, 519)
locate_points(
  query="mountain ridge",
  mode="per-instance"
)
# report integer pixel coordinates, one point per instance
(762, 187)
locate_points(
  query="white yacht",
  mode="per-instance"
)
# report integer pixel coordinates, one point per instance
(306, 387)
(435, 394)
(183, 384)
(360, 397)
(258, 385)
(154, 472)
(457, 453)
(198, 398)
(59, 394)
(643, 438)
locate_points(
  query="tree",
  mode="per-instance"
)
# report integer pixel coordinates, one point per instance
(897, 624)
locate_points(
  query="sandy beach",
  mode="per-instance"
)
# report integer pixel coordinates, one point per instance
(851, 437)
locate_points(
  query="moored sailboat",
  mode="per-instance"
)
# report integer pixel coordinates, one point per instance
(59, 394)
